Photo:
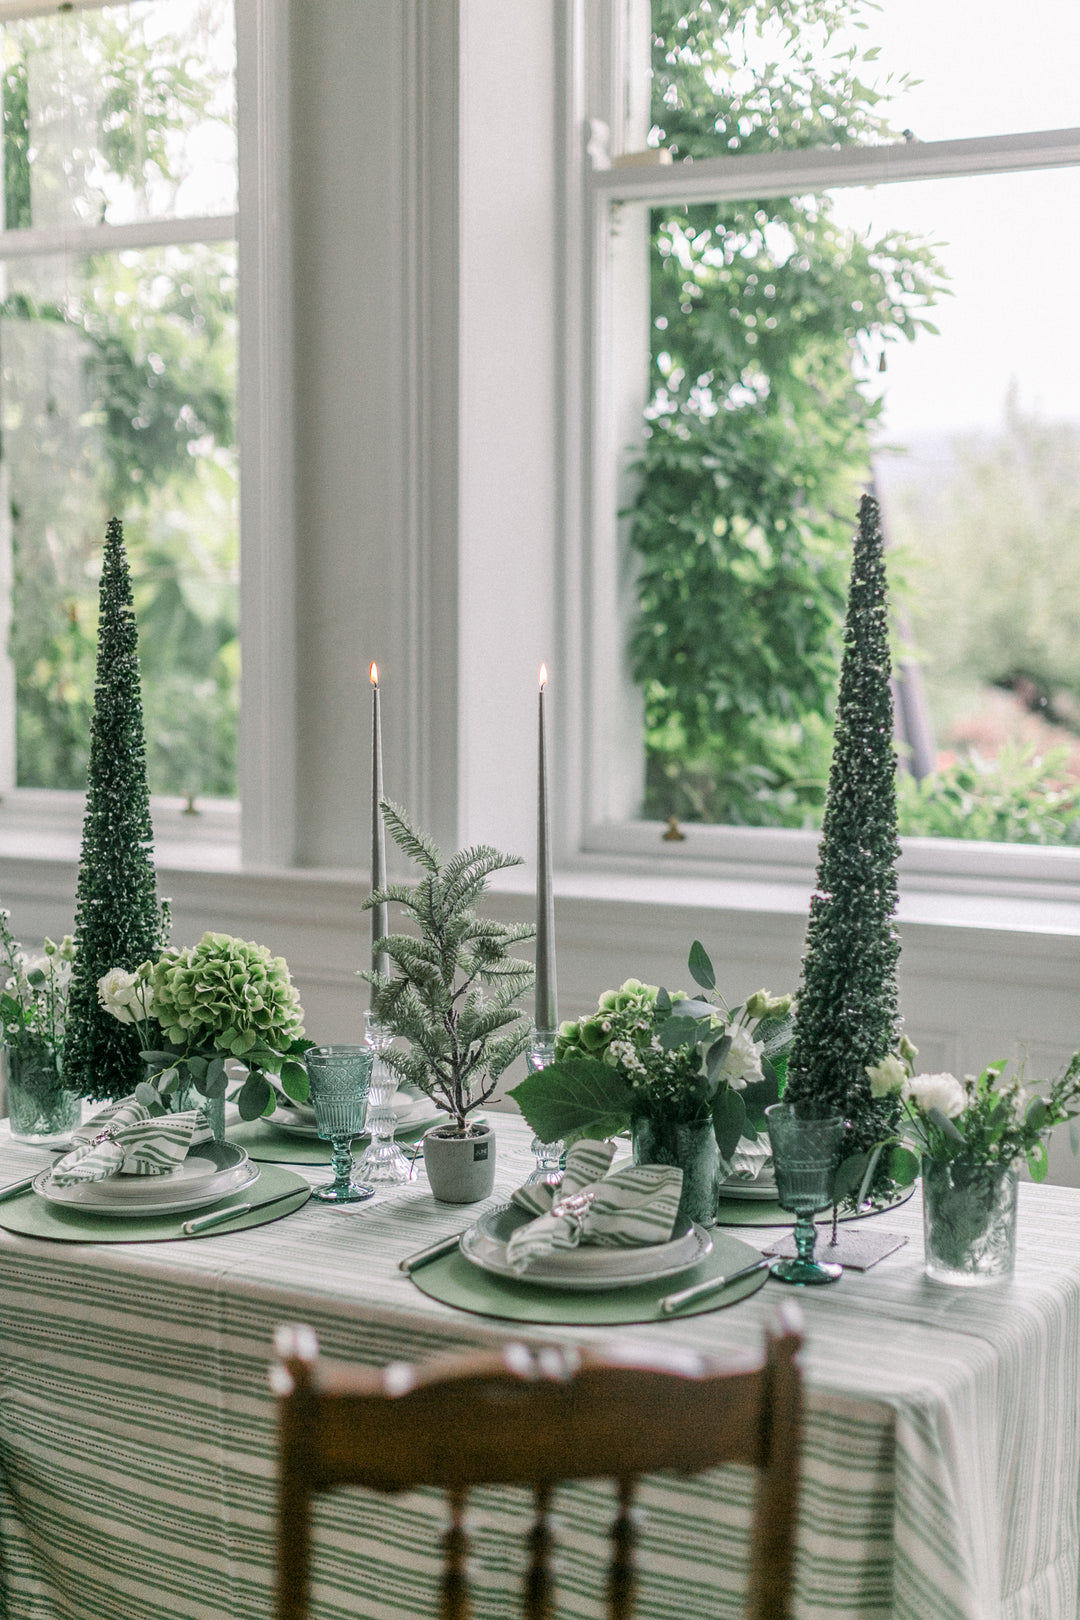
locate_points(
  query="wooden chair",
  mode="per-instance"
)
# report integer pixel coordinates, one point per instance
(534, 1417)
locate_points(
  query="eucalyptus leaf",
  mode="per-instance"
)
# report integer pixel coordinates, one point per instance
(146, 1094)
(197, 1067)
(701, 969)
(294, 1081)
(716, 1054)
(693, 1007)
(678, 1032)
(729, 1118)
(944, 1124)
(663, 1001)
(253, 1096)
(213, 1085)
(159, 1060)
(903, 1166)
(215, 1067)
(580, 1097)
(848, 1175)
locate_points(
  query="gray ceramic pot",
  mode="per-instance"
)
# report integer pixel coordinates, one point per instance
(460, 1169)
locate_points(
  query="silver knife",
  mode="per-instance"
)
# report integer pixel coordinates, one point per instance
(13, 1188)
(673, 1302)
(434, 1252)
(201, 1222)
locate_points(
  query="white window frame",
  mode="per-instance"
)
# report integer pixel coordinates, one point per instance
(33, 820)
(601, 175)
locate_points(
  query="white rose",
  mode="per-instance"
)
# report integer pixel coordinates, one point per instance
(121, 994)
(743, 1060)
(941, 1091)
(887, 1077)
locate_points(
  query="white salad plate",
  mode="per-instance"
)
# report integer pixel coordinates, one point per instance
(585, 1269)
(751, 1191)
(299, 1118)
(212, 1170)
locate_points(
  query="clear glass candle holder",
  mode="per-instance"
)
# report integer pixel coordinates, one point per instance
(550, 1156)
(339, 1078)
(804, 1157)
(382, 1161)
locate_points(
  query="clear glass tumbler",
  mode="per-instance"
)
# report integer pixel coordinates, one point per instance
(339, 1077)
(804, 1156)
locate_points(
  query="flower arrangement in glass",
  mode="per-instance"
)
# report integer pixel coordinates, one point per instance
(687, 1076)
(201, 1006)
(33, 1008)
(968, 1137)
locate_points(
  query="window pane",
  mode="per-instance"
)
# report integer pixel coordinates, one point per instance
(924, 335)
(121, 114)
(755, 75)
(117, 394)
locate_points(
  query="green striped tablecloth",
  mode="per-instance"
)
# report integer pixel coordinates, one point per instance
(942, 1450)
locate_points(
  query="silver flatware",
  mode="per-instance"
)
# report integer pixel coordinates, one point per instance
(434, 1252)
(201, 1222)
(673, 1302)
(13, 1188)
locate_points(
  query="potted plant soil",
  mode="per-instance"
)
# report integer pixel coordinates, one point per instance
(451, 994)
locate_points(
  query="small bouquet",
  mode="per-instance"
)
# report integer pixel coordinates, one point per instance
(647, 1053)
(33, 1001)
(197, 1008)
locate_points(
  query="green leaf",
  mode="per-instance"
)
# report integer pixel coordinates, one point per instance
(215, 1067)
(146, 1094)
(294, 1081)
(1037, 1116)
(1038, 1160)
(197, 1067)
(715, 1056)
(944, 1124)
(678, 1032)
(701, 969)
(848, 1175)
(253, 1096)
(580, 1097)
(903, 1166)
(663, 1001)
(158, 1059)
(213, 1085)
(729, 1118)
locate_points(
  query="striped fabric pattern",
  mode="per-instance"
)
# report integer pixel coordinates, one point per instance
(629, 1208)
(941, 1453)
(127, 1139)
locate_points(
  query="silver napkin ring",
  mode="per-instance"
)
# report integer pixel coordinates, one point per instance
(575, 1207)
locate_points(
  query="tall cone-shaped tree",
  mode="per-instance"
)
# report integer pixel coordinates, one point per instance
(847, 1006)
(117, 919)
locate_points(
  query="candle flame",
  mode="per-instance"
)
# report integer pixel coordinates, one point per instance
(373, 674)
(543, 676)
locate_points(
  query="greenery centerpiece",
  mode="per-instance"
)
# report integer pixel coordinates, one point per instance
(848, 1004)
(687, 1076)
(197, 1008)
(33, 1008)
(453, 984)
(969, 1137)
(117, 919)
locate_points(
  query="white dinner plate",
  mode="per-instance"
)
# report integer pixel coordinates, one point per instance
(585, 1269)
(211, 1171)
(409, 1113)
(757, 1191)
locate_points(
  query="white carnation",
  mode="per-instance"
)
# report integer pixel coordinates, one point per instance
(742, 1062)
(887, 1077)
(124, 995)
(941, 1091)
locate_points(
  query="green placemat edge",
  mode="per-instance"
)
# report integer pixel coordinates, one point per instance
(267, 1143)
(765, 1212)
(455, 1281)
(31, 1216)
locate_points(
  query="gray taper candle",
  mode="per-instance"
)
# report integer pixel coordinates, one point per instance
(546, 1004)
(380, 916)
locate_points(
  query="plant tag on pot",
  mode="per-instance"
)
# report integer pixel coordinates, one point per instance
(480, 1151)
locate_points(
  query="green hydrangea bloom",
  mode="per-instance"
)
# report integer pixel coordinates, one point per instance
(226, 993)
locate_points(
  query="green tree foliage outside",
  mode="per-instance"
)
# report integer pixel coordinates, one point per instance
(758, 434)
(120, 369)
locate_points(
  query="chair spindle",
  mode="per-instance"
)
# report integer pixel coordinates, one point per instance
(455, 1581)
(621, 1578)
(539, 1584)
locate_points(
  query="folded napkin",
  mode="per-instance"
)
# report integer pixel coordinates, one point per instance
(126, 1139)
(628, 1208)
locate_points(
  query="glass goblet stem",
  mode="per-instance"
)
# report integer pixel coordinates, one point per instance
(341, 1163)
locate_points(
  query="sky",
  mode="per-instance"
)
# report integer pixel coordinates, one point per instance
(1011, 243)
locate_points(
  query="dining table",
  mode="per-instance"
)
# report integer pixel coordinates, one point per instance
(940, 1453)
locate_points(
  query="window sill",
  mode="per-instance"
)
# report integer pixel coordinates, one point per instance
(44, 824)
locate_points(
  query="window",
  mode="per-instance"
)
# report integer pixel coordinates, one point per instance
(118, 378)
(805, 229)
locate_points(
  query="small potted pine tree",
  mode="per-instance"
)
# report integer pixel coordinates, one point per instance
(451, 994)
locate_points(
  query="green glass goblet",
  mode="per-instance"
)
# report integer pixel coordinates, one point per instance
(339, 1077)
(804, 1155)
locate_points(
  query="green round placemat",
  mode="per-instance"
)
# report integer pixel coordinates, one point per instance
(766, 1212)
(36, 1217)
(456, 1281)
(269, 1144)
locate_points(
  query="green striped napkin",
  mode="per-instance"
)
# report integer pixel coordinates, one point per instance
(127, 1139)
(626, 1208)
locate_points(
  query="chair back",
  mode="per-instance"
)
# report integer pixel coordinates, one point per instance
(535, 1417)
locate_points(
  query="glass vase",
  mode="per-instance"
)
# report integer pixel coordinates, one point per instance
(969, 1223)
(41, 1109)
(692, 1147)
